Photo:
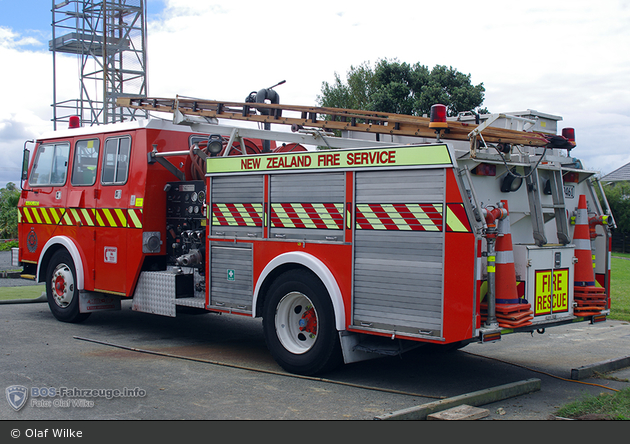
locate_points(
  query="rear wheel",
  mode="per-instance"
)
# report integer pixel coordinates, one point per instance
(299, 324)
(61, 288)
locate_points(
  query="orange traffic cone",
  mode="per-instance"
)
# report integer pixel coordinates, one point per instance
(590, 300)
(505, 273)
(583, 273)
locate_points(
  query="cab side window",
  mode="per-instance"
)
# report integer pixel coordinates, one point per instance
(50, 166)
(116, 160)
(84, 164)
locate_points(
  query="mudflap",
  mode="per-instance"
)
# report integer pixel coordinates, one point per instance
(90, 302)
(358, 347)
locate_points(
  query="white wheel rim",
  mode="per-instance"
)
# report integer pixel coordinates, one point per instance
(296, 323)
(62, 285)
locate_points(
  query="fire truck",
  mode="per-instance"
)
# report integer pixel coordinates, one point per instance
(353, 234)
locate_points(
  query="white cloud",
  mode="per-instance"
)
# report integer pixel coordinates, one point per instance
(10, 39)
(567, 58)
(27, 94)
(24, 109)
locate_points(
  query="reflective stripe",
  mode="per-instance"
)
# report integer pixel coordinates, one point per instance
(326, 216)
(56, 214)
(36, 216)
(505, 257)
(237, 214)
(110, 218)
(135, 217)
(87, 217)
(581, 218)
(45, 216)
(103, 217)
(456, 219)
(582, 244)
(400, 217)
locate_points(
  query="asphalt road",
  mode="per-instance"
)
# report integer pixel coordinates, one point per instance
(240, 381)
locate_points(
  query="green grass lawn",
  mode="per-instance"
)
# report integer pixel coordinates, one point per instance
(611, 406)
(26, 292)
(620, 288)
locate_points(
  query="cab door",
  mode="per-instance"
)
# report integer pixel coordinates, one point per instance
(110, 216)
(80, 211)
(45, 197)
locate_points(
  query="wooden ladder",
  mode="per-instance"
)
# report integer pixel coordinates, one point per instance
(329, 119)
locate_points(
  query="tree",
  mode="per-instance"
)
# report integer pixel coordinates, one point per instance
(618, 197)
(395, 87)
(354, 94)
(9, 197)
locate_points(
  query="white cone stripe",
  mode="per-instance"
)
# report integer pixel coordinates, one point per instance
(581, 217)
(582, 244)
(504, 257)
(504, 226)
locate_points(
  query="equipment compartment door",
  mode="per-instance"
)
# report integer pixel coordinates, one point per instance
(399, 252)
(550, 281)
(231, 276)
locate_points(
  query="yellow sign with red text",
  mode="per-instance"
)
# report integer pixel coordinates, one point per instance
(552, 291)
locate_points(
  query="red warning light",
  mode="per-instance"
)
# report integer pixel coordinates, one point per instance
(74, 122)
(569, 134)
(485, 169)
(438, 117)
(572, 177)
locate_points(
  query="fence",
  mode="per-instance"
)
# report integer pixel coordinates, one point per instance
(621, 242)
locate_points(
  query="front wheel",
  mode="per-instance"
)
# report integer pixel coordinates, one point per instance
(299, 324)
(61, 288)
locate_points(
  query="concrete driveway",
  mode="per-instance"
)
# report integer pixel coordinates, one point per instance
(216, 367)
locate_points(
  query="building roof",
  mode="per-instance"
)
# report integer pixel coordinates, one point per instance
(619, 175)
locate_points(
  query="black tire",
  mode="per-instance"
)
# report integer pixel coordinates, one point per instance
(61, 289)
(299, 324)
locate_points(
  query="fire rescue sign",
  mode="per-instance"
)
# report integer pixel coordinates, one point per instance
(552, 291)
(429, 155)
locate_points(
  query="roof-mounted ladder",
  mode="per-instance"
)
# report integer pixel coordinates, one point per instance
(329, 119)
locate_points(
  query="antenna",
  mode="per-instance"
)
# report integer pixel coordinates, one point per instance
(278, 84)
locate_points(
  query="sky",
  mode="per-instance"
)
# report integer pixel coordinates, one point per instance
(566, 58)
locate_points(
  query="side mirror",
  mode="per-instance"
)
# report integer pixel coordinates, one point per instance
(25, 157)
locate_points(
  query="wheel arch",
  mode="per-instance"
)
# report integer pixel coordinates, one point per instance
(293, 260)
(53, 245)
